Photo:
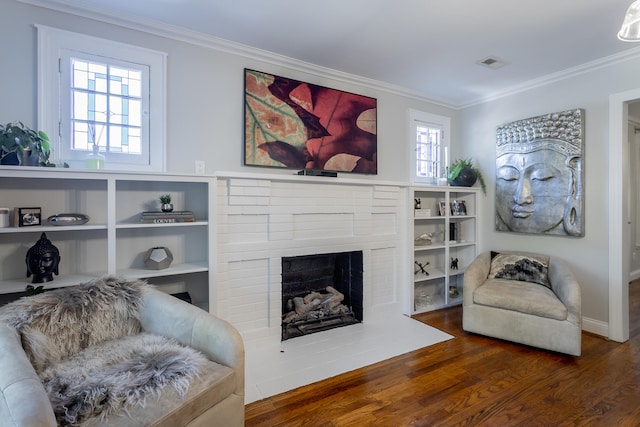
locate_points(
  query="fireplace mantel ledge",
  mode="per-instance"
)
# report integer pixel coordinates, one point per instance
(309, 179)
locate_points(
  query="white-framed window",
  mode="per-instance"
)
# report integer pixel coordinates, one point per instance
(100, 97)
(429, 143)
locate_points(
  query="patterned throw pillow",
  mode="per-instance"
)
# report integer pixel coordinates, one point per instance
(526, 268)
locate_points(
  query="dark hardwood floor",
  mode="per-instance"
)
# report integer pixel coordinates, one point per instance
(473, 380)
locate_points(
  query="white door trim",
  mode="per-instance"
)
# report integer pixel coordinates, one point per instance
(619, 263)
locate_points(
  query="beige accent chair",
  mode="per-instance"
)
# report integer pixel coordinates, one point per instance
(524, 312)
(215, 398)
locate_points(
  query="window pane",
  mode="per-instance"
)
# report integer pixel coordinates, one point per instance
(80, 75)
(100, 109)
(118, 81)
(135, 141)
(115, 86)
(119, 72)
(135, 84)
(106, 100)
(116, 109)
(99, 82)
(115, 139)
(80, 105)
(97, 134)
(95, 75)
(80, 136)
(97, 68)
(135, 112)
(126, 82)
(428, 151)
(125, 140)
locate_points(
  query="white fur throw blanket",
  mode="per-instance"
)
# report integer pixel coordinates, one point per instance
(86, 344)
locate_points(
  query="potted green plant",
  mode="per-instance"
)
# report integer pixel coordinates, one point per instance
(462, 173)
(165, 203)
(20, 145)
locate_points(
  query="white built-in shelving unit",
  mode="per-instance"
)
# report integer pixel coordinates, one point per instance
(453, 237)
(114, 241)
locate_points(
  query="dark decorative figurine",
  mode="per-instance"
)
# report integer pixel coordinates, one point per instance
(421, 268)
(42, 260)
(453, 291)
(454, 263)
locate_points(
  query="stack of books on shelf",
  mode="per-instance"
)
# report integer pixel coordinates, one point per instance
(153, 217)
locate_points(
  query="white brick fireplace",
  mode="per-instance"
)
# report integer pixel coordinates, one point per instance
(262, 218)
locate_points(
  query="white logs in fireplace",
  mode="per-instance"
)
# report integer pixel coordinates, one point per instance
(320, 292)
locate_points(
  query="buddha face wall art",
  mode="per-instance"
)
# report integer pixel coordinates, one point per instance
(539, 175)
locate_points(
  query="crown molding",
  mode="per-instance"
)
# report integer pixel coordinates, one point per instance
(604, 62)
(102, 14)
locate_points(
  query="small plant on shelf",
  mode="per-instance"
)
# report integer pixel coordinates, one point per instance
(165, 201)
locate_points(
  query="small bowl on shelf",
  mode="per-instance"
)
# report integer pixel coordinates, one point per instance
(68, 219)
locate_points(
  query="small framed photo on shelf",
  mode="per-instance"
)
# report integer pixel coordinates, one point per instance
(458, 208)
(27, 217)
(442, 208)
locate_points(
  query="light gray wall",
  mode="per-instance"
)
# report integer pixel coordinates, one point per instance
(205, 114)
(587, 255)
(205, 94)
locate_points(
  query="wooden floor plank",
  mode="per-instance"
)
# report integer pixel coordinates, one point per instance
(473, 380)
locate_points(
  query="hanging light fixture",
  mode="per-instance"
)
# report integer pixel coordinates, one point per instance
(630, 31)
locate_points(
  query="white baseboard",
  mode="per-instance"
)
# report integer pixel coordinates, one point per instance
(597, 327)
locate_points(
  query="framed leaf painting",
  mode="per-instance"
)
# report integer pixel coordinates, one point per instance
(297, 125)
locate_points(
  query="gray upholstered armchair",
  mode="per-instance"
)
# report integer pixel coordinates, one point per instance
(117, 353)
(501, 301)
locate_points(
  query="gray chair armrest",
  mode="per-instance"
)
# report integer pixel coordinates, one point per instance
(23, 400)
(166, 315)
(474, 276)
(565, 285)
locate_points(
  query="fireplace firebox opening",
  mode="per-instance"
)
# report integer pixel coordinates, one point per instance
(321, 292)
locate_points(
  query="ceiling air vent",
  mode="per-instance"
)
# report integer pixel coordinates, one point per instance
(492, 62)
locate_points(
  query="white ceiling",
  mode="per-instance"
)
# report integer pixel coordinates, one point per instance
(426, 47)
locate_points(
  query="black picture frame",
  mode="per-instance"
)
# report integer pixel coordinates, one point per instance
(27, 217)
